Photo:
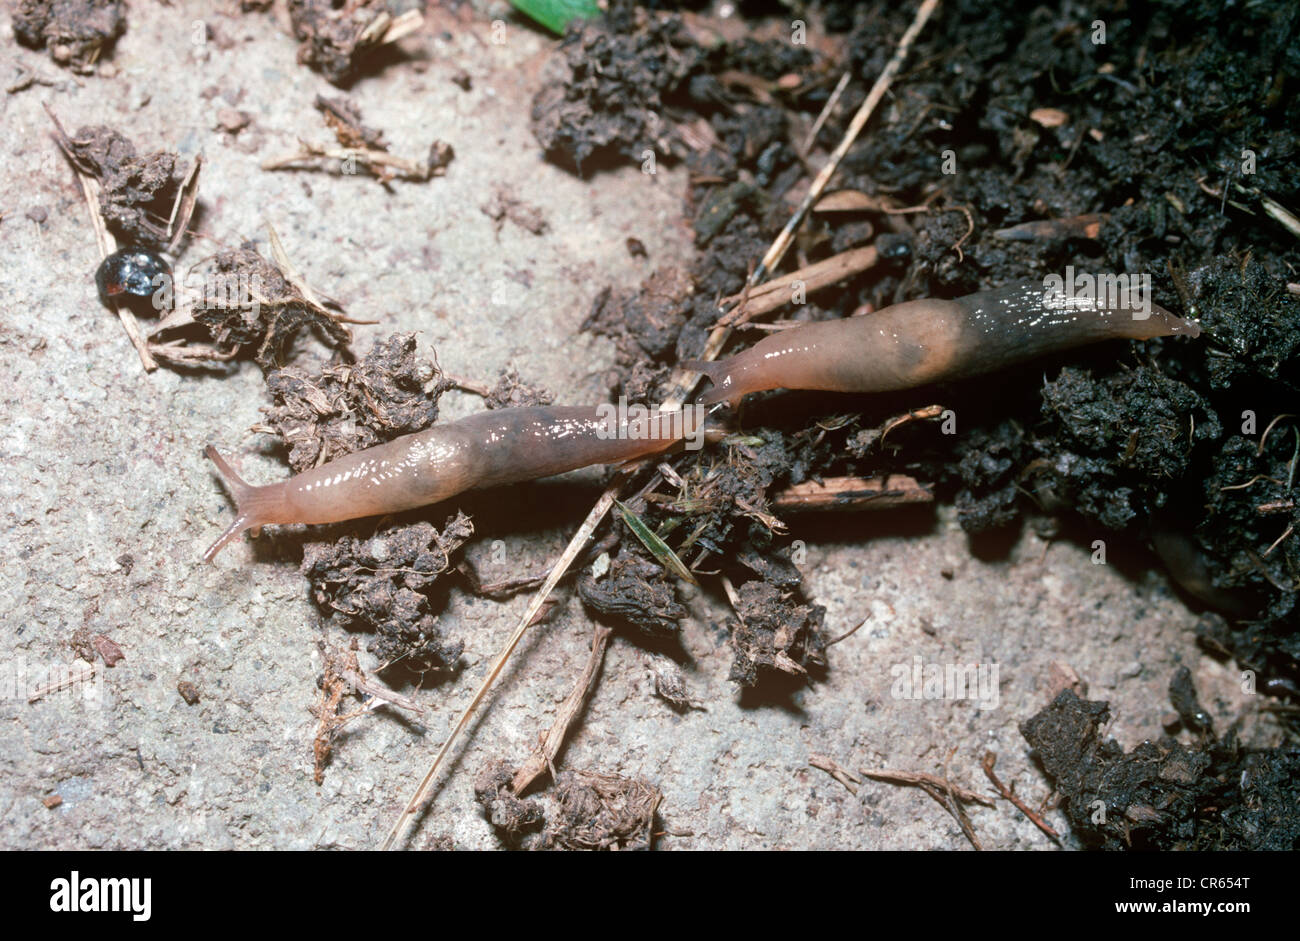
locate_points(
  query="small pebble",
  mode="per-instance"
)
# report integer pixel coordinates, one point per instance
(232, 121)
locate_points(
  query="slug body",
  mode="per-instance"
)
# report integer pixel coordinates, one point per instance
(485, 450)
(923, 341)
(1189, 567)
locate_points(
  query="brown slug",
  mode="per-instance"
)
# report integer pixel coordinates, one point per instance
(1191, 571)
(486, 450)
(923, 341)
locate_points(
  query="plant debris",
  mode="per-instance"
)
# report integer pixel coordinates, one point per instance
(333, 687)
(551, 741)
(636, 590)
(347, 407)
(342, 677)
(385, 583)
(514, 819)
(512, 392)
(136, 191)
(251, 306)
(603, 812)
(359, 144)
(774, 632)
(337, 40)
(670, 685)
(584, 810)
(344, 119)
(504, 205)
(77, 32)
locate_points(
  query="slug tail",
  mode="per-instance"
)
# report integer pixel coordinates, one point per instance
(1174, 325)
(254, 506)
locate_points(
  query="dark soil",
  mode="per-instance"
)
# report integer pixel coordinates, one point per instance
(1162, 794)
(1168, 149)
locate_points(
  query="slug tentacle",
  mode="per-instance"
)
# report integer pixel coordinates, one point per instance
(254, 506)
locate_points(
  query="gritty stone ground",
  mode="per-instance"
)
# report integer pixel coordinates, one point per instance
(99, 462)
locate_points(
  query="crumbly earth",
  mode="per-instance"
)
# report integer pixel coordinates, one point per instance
(202, 735)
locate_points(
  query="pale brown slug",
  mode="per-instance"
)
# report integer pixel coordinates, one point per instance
(902, 346)
(919, 342)
(485, 450)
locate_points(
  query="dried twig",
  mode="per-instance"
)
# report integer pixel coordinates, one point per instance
(1086, 226)
(505, 586)
(955, 807)
(829, 107)
(380, 692)
(851, 493)
(386, 28)
(784, 240)
(768, 296)
(836, 771)
(947, 795)
(544, 758)
(367, 156)
(990, 760)
(71, 678)
(408, 815)
(930, 411)
(924, 779)
(187, 198)
(849, 633)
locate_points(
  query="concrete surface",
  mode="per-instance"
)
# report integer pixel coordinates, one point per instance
(98, 460)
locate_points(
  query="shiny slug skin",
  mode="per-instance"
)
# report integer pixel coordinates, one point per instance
(922, 341)
(489, 449)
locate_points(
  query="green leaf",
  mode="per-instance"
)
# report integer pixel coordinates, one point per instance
(556, 14)
(656, 546)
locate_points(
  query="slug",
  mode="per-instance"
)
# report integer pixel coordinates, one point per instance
(1191, 570)
(920, 342)
(485, 450)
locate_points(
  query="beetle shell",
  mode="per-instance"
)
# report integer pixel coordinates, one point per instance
(128, 275)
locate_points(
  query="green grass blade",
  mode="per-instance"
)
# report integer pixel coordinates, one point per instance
(656, 546)
(556, 14)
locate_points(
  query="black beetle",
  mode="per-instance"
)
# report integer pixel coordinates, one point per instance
(131, 276)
